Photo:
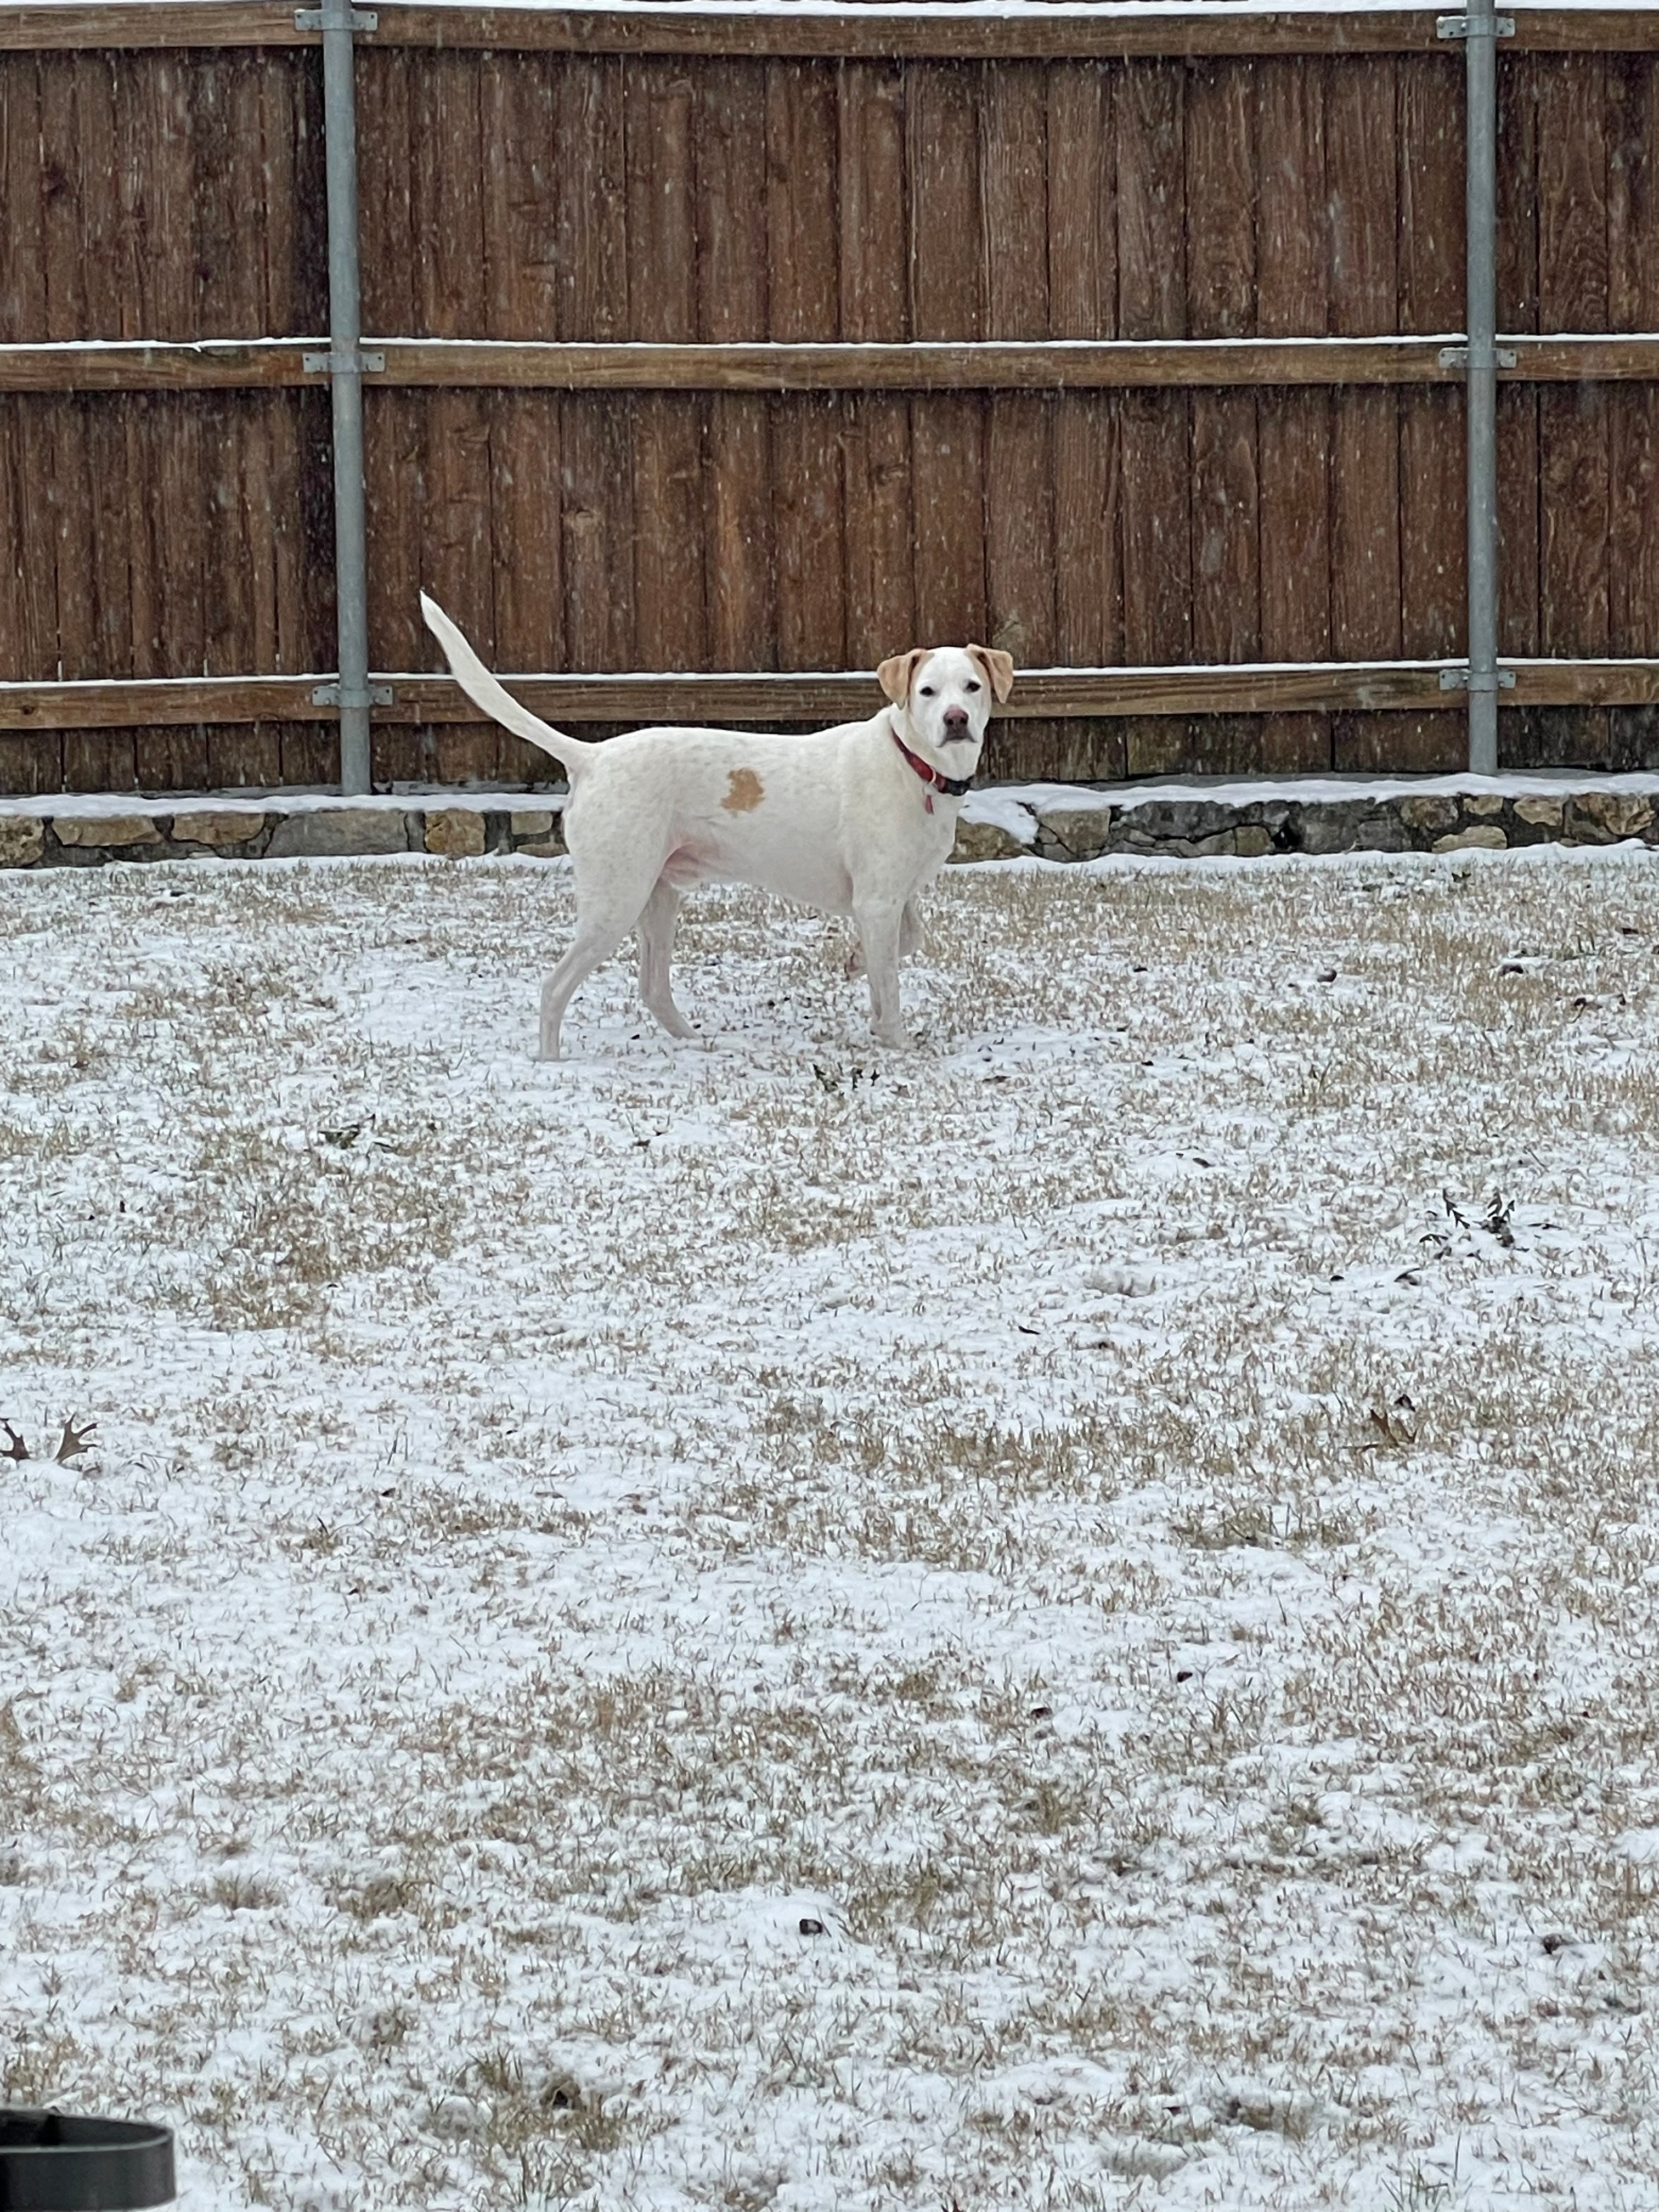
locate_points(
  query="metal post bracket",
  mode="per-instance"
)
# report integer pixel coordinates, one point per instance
(1458, 357)
(343, 364)
(1468, 26)
(319, 19)
(373, 695)
(1457, 679)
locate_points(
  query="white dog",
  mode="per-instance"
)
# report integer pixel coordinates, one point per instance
(853, 820)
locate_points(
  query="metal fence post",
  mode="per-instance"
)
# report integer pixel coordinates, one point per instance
(344, 363)
(1481, 28)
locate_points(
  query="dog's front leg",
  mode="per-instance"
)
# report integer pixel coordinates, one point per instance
(913, 938)
(879, 922)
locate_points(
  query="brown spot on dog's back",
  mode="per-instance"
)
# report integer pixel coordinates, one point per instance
(744, 792)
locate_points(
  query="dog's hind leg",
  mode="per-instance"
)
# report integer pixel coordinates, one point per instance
(602, 923)
(655, 932)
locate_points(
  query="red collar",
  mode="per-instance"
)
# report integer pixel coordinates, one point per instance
(955, 785)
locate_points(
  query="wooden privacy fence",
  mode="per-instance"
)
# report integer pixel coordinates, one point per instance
(749, 345)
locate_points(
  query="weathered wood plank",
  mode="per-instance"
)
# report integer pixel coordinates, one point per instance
(881, 608)
(517, 110)
(1013, 167)
(1575, 507)
(874, 205)
(591, 137)
(1023, 553)
(1517, 521)
(1226, 523)
(803, 133)
(385, 209)
(947, 442)
(947, 246)
(1430, 120)
(1148, 107)
(1106, 31)
(1633, 550)
(740, 559)
(1082, 203)
(1056, 365)
(1572, 195)
(1517, 193)
(1433, 523)
(1089, 525)
(807, 698)
(731, 272)
(809, 505)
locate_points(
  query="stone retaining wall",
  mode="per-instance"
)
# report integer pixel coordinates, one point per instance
(1381, 821)
(273, 833)
(997, 825)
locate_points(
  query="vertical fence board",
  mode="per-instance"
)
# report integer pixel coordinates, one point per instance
(520, 200)
(447, 197)
(946, 250)
(1429, 111)
(731, 286)
(22, 248)
(386, 189)
(1021, 552)
(1517, 192)
(873, 205)
(881, 607)
(1572, 195)
(590, 150)
(1014, 183)
(948, 459)
(1634, 562)
(527, 586)
(1152, 229)
(599, 527)
(1221, 201)
(1575, 507)
(810, 507)
(1225, 504)
(1082, 243)
(1517, 519)
(803, 133)
(1089, 525)
(1433, 523)
(741, 559)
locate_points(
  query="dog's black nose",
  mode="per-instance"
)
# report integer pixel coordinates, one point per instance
(955, 721)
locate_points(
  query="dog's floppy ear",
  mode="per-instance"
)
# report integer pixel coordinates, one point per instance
(897, 675)
(998, 667)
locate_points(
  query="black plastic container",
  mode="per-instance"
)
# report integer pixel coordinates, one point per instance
(55, 2162)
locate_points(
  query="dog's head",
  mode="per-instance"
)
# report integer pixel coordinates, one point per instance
(944, 695)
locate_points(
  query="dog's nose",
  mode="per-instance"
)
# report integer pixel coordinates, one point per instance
(955, 721)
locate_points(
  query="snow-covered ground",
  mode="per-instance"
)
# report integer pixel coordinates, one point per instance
(1064, 1619)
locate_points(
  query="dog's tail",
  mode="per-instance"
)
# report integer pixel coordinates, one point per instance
(482, 688)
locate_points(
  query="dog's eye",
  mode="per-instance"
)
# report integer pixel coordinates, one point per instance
(927, 690)
(970, 687)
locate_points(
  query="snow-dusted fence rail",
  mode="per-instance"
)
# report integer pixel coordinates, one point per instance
(760, 339)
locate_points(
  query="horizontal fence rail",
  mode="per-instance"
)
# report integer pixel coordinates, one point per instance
(1048, 365)
(808, 696)
(1140, 28)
